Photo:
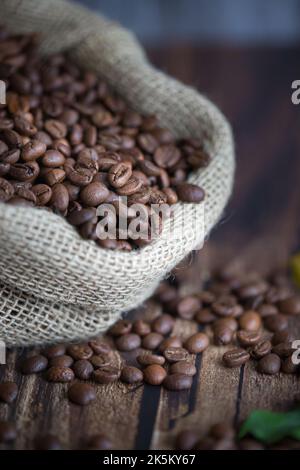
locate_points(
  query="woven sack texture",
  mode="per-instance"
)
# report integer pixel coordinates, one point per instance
(55, 286)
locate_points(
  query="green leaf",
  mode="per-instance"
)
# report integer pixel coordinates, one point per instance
(295, 264)
(270, 427)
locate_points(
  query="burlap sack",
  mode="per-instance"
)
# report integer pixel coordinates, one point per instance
(54, 285)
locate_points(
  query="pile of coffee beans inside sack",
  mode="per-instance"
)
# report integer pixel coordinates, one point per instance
(245, 312)
(69, 144)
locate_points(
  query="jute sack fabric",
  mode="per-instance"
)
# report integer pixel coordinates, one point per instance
(55, 286)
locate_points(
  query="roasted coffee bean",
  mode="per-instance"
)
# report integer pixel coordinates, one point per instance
(60, 198)
(47, 442)
(61, 361)
(34, 364)
(83, 369)
(80, 351)
(163, 324)
(121, 327)
(8, 392)
(261, 349)
(166, 156)
(99, 347)
(131, 375)
(55, 175)
(281, 337)
(288, 366)
(235, 357)
(276, 323)
(132, 186)
(253, 289)
(43, 194)
(269, 364)
(81, 394)
(248, 338)
(290, 306)
(82, 216)
(101, 360)
(173, 342)
(176, 354)
(185, 368)
(141, 328)
(119, 175)
(283, 349)
(53, 159)
(178, 382)
(152, 341)
(33, 150)
(205, 316)
(57, 129)
(186, 440)
(265, 310)
(188, 306)
(8, 432)
(24, 171)
(128, 342)
(223, 335)
(99, 442)
(250, 321)
(55, 350)
(154, 374)
(6, 190)
(60, 374)
(106, 375)
(197, 343)
(190, 193)
(94, 194)
(147, 359)
(147, 142)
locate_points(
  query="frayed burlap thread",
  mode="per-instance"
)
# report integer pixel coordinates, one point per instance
(55, 286)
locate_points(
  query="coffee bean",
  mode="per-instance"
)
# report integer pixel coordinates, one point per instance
(197, 343)
(173, 342)
(43, 194)
(188, 306)
(283, 349)
(183, 367)
(248, 338)
(223, 335)
(94, 194)
(152, 341)
(269, 364)
(60, 198)
(34, 364)
(8, 392)
(253, 289)
(154, 374)
(121, 327)
(81, 394)
(235, 357)
(101, 360)
(205, 316)
(55, 128)
(128, 342)
(60, 374)
(250, 321)
(141, 328)
(290, 306)
(24, 171)
(261, 349)
(186, 440)
(99, 442)
(281, 337)
(6, 190)
(8, 432)
(33, 150)
(83, 369)
(147, 359)
(119, 174)
(266, 310)
(47, 442)
(132, 186)
(131, 375)
(99, 347)
(166, 156)
(190, 193)
(54, 176)
(178, 382)
(61, 361)
(55, 350)
(80, 351)
(176, 354)
(276, 323)
(106, 375)
(163, 324)
(82, 216)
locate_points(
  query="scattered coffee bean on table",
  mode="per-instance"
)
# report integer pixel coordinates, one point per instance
(269, 364)
(154, 374)
(131, 375)
(34, 364)
(81, 394)
(236, 357)
(8, 392)
(178, 382)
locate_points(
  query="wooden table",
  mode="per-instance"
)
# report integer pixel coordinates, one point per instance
(261, 226)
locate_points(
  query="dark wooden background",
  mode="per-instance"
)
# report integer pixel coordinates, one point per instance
(261, 227)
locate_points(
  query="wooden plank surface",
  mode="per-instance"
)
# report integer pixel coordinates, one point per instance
(261, 227)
